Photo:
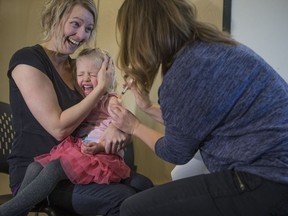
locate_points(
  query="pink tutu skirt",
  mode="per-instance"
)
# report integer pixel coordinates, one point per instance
(83, 168)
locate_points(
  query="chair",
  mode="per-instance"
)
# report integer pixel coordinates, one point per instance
(6, 138)
(129, 156)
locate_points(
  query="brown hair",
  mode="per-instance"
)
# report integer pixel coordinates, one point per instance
(153, 31)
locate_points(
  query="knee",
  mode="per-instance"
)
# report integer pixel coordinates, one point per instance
(145, 183)
(139, 182)
(125, 192)
(128, 207)
(56, 168)
(54, 163)
(34, 167)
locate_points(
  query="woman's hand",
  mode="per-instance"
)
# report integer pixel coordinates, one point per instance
(114, 139)
(127, 122)
(123, 119)
(105, 75)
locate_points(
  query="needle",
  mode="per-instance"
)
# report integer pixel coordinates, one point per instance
(122, 93)
(124, 90)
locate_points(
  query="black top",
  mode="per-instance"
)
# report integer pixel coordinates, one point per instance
(31, 139)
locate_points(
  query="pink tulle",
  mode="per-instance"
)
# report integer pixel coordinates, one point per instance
(83, 168)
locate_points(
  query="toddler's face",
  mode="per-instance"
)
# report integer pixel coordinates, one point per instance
(87, 71)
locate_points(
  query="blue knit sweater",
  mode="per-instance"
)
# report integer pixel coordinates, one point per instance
(229, 103)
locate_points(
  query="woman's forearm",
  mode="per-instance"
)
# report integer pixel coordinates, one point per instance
(70, 119)
(40, 97)
(154, 112)
(147, 135)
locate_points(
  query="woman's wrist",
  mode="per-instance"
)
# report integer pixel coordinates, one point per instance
(101, 89)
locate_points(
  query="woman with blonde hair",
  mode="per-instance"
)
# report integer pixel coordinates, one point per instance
(81, 158)
(47, 107)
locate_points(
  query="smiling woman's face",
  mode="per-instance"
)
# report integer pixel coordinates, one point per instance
(74, 30)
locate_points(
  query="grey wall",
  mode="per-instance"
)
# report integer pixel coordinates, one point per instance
(263, 26)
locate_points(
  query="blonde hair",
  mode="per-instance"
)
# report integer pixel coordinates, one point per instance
(153, 32)
(56, 12)
(100, 55)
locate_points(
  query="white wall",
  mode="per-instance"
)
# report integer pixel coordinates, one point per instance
(263, 26)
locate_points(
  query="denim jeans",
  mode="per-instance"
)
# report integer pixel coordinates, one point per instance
(226, 193)
(91, 199)
(97, 199)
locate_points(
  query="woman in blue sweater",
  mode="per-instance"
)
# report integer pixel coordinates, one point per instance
(216, 96)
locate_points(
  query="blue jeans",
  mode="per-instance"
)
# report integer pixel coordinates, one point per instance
(91, 199)
(227, 193)
(97, 199)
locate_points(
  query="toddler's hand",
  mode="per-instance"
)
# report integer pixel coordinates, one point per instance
(92, 148)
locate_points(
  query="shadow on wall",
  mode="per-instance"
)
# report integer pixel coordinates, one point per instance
(20, 22)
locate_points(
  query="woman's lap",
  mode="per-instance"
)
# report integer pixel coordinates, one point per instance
(91, 198)
(212, 194)
(95, 198)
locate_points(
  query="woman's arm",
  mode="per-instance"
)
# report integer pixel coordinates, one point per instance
(127, 122)
(154, 112)
(144, 103)
(40, 97)
(166, 147)
(113, 138)
(147, 135)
